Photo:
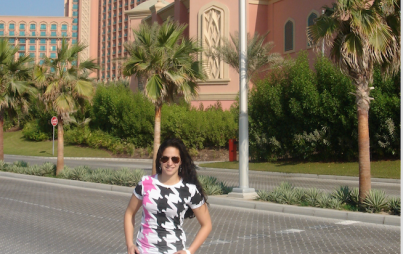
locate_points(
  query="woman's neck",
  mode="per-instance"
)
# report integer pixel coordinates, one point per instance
(169, 180)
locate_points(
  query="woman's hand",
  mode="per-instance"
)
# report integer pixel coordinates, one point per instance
(132, 249)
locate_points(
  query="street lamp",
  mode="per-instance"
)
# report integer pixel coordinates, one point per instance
(243, 191)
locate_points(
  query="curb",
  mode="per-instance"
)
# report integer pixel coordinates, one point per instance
(290, 175)
(223, 200)
(331, 177)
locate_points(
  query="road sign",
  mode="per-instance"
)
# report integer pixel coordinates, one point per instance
(54, 121)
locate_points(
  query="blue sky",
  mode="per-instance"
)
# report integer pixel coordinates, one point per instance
(32, 8)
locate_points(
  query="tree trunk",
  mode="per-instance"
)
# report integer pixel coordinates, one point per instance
(1, 135)
(60, 146)
(157, 135)
(363, 153)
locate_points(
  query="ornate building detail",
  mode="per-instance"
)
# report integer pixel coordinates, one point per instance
(212, 37)
(85, 28)
(213, 28)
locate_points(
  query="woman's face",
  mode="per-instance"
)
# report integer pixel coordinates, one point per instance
(170, 161)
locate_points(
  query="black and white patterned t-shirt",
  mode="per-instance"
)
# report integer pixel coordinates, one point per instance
(164, 208)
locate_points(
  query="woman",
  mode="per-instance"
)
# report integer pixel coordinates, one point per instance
(168, 197)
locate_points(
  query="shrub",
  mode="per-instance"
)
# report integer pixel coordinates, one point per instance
(123, 114)
(31, 131)
(311, 115)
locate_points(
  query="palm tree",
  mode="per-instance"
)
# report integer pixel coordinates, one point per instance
(15, 85)
(167, 62)
(66, 85)
(361, 34)
(258, 51)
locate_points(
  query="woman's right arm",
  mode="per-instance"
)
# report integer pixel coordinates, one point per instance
(131, 210)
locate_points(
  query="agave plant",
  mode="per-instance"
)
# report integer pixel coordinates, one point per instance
(312, 196)
(3, 165)
(79, 173)
(213, 190)
(263, 195)
(355, 196)
(289, 197)
(343, 193)
(334, 203)
(375, 201)
(300, 194)
(35, 170)
(394, 205)
(20, 163)
(323, 200)
(48, 168)
(275, 196)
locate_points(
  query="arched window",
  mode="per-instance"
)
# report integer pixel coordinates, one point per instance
(311, 21)
(289, 36)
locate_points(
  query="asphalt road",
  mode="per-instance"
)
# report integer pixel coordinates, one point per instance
(38, 217)
(257, 180)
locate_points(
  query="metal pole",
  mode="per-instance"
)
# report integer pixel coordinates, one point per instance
(53, 140)
(323, 40)
(243, 191)
(243, 100)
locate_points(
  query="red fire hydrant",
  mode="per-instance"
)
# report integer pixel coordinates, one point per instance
(232, 147)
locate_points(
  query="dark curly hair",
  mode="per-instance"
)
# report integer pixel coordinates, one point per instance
(188, 172)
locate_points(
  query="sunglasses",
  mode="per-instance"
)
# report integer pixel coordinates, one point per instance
(175, 159)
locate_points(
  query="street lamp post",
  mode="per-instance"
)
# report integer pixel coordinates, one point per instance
(243, 191)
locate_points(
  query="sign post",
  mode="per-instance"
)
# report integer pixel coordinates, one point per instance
(54, 123)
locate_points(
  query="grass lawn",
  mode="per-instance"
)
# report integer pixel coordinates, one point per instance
(15, 144)
(379, 169)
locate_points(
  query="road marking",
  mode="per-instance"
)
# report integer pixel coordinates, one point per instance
(290, 231)
(347, 222)
(321, 226)
(248, 237)
(219, 241)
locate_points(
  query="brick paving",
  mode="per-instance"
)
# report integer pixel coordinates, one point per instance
(44, 218)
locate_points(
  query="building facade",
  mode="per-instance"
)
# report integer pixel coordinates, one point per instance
(36, 36)
(209, 21)
(105, 25)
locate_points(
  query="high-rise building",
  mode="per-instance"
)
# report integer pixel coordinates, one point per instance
(85, 25)
(103, 26)
(36, 36)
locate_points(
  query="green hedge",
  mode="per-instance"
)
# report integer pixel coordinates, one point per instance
(123, 114)
(300, 113)
(130, 116)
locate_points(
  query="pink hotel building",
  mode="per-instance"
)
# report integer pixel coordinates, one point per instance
(105, 25)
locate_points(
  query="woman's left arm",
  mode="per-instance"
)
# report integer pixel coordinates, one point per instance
(203, 216)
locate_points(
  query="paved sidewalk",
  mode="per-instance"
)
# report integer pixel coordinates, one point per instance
(233, 202)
